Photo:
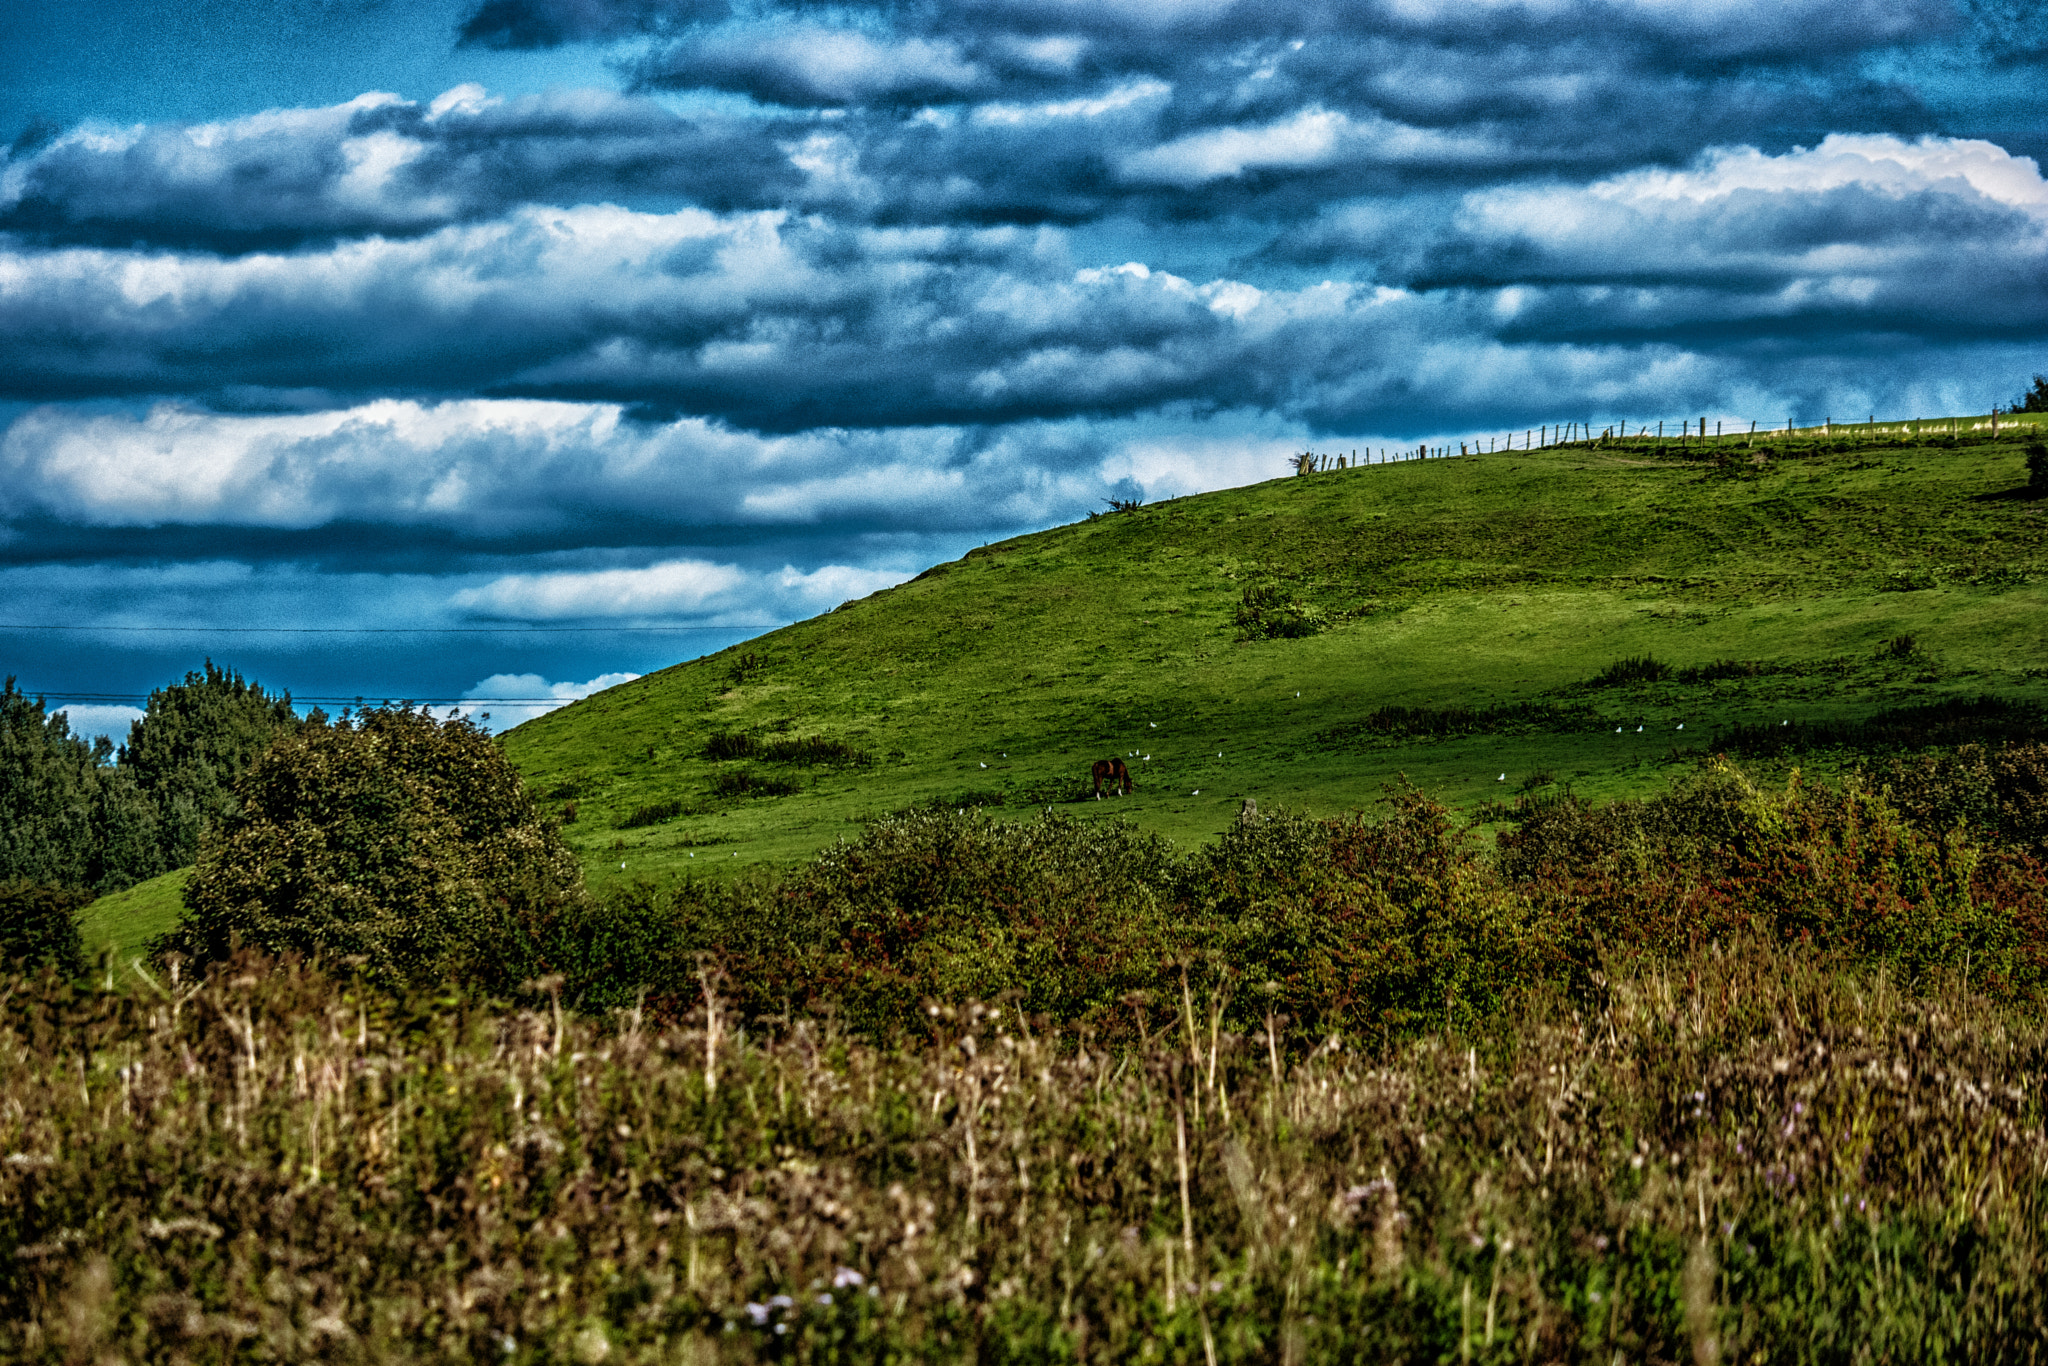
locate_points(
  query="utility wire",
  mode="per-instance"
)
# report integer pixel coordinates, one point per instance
(88, 697)
(369, 630)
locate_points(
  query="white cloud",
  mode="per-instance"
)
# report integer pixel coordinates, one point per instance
(91, 719)
(505, 700)
(1313, 137)
(672, 588)
(718, 594)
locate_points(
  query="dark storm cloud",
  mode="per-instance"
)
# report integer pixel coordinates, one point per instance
(997, 113)
(779, 324)
(379, 164)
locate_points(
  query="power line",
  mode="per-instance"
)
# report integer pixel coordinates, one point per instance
(372, 630)
(64, 696)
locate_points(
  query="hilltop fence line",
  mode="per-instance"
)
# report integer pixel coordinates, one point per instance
(1691, 432)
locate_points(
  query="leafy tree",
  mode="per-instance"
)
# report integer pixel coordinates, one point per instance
(39, 926)
(389, 837)
(194, 740)
(2034, 400)
(48, 788)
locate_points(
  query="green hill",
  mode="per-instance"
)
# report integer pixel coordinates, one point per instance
(1261, 642)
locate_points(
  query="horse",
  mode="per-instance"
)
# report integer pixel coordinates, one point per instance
(1117, 773)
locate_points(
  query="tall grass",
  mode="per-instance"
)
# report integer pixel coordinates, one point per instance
(1736, 1156)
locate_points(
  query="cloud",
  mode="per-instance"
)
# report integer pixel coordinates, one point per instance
(721, 594)
(506, 700)
(93, 719)
(380, 164)
(528, 472)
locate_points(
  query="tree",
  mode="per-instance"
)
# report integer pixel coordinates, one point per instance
(39, 926)
(2037, 467)
(48, 788)
(408, 844)
(194, 740)
(2034, 400)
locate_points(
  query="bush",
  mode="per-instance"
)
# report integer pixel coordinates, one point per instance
(654, 813)
(1636, 669)
(1066, 916)
(1270, 614)
(39, 926)
(408, 844)
(1839, 870)
(1376, 928)
(741, 782)
(2037, 467)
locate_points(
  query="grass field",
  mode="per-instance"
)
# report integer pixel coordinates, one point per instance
(124, 922)
(1484, 582)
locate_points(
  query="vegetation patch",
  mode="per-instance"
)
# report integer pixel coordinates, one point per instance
(805, 750)
(1951, 721)
(1269, 613)
(654, 813)
(743, 782)
(1436, 723)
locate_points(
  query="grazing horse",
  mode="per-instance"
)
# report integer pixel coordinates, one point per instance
(1118, 775)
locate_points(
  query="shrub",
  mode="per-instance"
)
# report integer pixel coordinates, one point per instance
(1518, 718)
(39, 926)
(407, 843)
(654, 813)
(2037, 467)
(1067, 916)
(741, 782)
(1376, 928)
(1636, 669)
(806, 750)
(1271, 614)
(1950, 721)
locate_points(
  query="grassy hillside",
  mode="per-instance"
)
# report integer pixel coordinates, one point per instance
(1488, 582)
(125, 921)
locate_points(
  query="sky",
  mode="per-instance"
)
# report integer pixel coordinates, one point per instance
(503, 350)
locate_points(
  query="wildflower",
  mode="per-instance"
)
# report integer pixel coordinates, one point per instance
(846, 1276)
(758, 1313)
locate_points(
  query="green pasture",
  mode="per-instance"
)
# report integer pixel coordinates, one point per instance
(125, 921)
(1484, 581)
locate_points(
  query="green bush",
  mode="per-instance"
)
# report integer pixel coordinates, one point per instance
(408, 844)
(1377, 928)
(2037, 467)
(1063, 915)
(39, 926)
(1272, 614)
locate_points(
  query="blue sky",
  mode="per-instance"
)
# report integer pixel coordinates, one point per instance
(521, 345)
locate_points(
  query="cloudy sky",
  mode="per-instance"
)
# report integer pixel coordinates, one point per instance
(504, 348)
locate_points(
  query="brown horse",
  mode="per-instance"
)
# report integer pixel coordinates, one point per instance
(1115, 772)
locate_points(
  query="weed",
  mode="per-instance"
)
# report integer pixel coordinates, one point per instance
(741, 782)
(654, 813)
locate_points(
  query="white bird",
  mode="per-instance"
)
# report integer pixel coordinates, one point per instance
(693, 853)
(1153, 724)
(1196, 793)
(1617, 730)
(1148, 758)
(984, 765)
(1639, 730)
(1502, 778)
(1681, 725)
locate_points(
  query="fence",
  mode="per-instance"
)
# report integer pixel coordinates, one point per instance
(1690, 432)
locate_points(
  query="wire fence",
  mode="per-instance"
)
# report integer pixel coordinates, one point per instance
(1685, 433)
